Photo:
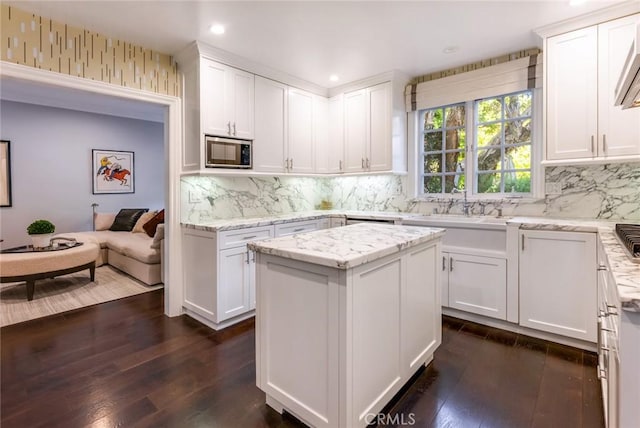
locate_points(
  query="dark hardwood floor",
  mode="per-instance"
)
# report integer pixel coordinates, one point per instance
(124, 363)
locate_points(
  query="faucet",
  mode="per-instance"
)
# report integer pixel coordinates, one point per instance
(465, 205)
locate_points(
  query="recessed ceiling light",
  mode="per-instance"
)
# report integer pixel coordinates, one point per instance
(450, 49)
(217, 29)
(577, 2)
(334, 78)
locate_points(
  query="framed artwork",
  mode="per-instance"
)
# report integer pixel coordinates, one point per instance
(5, 174)
(113, 171)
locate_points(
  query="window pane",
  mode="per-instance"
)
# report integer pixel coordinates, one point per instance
(433, 184)
(489, 135)
(517, 131)
(456, 139)
(454, 162)
(489, 110)
(433, 119)
(489, 159)
(517, 182)
(517, 157)
(433, 141)
(433, 163)
(455, 116)
(517, 105)
(489, 183)
(454, 182)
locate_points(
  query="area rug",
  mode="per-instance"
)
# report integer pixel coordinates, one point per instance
(64, 293)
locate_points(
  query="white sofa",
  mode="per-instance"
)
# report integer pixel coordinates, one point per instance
(134, 253)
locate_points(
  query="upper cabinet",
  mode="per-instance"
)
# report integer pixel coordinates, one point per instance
(582, 70)
(375, 129)
(226, 97)
(295, 128)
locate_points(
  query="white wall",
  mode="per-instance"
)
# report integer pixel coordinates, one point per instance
(51, 171)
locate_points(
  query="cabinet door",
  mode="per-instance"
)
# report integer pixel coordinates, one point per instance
(321, 142)
(270, 125)
(558, 291)
(444, 279)
(300, 125)
(355, 131)
(336, 134)
(572, 94)
(378, 156)
(619, 130)
(213, 98)
(233, 282)
(241, 101)
(478, 284)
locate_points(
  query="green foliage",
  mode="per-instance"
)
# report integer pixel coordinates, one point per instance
(40, 227)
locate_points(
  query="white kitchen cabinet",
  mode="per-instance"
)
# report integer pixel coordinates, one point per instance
(289, 124)
(300, 132)
(270, 125)
(226, 99)
(582, 69)
(557, 278)
(476, 284)
(365, 331)
(334, 149)
(327, 156)
(355, 131)
(219, 274)
(367, 129)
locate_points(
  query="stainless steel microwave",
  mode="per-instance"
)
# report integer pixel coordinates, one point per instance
(227, 152)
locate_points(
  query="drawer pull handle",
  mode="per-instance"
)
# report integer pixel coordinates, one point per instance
(604, 143)
(450, 264)
(300, 229)
(444, 263)
(593, 147)
(229, 128)
(249, 237)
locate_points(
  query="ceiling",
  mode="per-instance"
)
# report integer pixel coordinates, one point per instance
(312, 40)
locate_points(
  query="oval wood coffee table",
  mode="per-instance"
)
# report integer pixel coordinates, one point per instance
(35, 265)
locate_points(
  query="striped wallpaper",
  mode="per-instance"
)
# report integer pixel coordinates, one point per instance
(39, 42)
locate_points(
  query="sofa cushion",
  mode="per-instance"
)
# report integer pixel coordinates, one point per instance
(151, 226)
(158, 237)
(126, 219)
(144, 218)
(134, 245)
(103, 221)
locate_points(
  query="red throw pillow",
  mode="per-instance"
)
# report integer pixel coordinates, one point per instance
(151, 226)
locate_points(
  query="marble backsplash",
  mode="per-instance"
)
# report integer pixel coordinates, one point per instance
(597, 192)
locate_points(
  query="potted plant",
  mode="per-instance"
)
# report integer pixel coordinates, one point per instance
(41, 232)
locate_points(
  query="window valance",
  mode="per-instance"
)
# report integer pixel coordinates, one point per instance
(512, 76)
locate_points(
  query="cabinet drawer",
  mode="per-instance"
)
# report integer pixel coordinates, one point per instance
(235, 238)
(296, 227)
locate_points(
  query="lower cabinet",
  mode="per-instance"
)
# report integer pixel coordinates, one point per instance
(474, 283)
(219, 274)
(220, 271)
(557, 278)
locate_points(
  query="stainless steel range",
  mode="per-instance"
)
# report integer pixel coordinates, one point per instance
(629, 236)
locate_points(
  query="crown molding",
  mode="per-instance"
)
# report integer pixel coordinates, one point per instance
(616, 11)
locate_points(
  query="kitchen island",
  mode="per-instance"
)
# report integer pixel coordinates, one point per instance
(344, 318)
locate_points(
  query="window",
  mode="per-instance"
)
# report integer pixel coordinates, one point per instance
(445, 145)
(498, 161)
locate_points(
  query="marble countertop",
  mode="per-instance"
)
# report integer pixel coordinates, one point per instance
(349, 246)
(241, 223)
(625, 272)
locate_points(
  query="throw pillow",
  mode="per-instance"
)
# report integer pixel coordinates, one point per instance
(142, 220)
(103, 221)
(126, 219)
(158, 237)
(151, 225)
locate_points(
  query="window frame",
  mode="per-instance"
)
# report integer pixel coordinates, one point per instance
(416, 156)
